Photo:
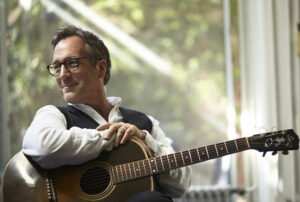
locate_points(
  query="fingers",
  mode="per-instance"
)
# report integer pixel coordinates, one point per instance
(120, 135)
(114, 128)
(132, 131)
(104, 126)
(123, 131)
(128, 133)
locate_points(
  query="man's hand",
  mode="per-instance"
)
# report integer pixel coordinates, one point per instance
(124, 132)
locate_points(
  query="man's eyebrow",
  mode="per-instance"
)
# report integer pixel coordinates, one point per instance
(67, 58)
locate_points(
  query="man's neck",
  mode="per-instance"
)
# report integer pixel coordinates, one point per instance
(103, 108)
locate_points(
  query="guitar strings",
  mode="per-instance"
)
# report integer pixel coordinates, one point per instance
(125, 171)
(98, 181)
(212, 152)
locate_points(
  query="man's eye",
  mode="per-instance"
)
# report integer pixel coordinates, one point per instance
(55, 66)
(72, 63)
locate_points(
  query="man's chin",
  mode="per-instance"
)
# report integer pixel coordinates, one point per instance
(70, 98)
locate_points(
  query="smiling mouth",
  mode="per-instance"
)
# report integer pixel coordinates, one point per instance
(68, 87)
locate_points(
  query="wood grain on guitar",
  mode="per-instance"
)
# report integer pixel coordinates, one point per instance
(122, 172)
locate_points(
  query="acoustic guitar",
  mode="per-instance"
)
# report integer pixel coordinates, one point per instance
(118, 174)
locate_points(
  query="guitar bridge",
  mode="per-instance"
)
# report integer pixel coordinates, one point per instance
(50, 189)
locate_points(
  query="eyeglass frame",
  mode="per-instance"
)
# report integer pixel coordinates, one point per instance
(65, 64)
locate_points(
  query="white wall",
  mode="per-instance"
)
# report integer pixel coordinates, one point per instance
(270, 92)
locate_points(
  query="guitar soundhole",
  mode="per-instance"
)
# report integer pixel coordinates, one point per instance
(95, 180)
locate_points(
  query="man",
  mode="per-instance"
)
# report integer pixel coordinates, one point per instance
(92, 122)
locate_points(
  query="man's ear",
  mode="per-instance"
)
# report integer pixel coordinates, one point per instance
(101, 64)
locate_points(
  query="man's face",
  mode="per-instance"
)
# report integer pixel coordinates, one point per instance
(83, 85)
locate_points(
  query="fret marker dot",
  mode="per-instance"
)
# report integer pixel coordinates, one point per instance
(154, 171)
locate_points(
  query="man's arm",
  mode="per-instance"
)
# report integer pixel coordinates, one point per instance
(51, 145)
(174, 182)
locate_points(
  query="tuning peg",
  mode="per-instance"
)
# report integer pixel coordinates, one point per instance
(274, 153)
(285, 152)
(264, 154)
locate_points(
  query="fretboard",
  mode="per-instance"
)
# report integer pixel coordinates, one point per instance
(154, 165)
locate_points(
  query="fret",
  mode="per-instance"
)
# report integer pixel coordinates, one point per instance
(226, 148)
(140, 163)
(162, 164)
(172, 160)
(127, 164)
(207, 152)
(137, 169)
(231, 147)
(153, 167)
(156, 164)
(187, 158)
(247, 146)
(121, 173)
(216, 150)
(182, 157)
(236, 145)
(247, 142)
(242, 144)
(198, 154)
(118, 174)
(221, 148)
(179, 159)
(166, 162)
(148, 166)
(115, 174)
(203, 154)
(174, 155)
(131, 165)
(194, 155)
(190, 155)
(126, 177)
(145, 169)
(212, 151)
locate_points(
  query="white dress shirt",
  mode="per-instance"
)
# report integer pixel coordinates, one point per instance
(51, 145)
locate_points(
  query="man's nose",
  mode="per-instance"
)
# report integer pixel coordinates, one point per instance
(64, 72)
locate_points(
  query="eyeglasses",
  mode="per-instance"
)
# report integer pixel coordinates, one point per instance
(71, 64)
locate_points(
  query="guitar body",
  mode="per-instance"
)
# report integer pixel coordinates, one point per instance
(23, 180)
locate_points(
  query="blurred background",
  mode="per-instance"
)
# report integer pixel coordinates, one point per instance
(208, 70)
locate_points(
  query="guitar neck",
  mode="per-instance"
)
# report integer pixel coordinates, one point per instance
(154, 165)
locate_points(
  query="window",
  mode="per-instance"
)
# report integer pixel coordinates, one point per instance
(167, 61)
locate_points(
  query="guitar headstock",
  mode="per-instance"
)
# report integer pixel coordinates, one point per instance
(283, 140)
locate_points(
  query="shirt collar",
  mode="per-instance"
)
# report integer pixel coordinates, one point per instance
(114, 101)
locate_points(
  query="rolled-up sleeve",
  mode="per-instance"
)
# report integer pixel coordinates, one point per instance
(174, 182)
